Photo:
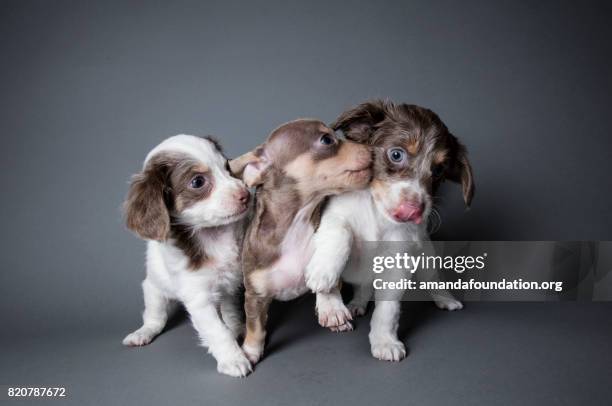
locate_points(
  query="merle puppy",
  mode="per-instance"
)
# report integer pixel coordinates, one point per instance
(301, 163)
(414, 152)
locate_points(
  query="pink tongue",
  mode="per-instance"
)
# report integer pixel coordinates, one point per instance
(408, 212)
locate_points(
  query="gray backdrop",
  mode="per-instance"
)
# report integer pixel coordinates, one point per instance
(87, 88)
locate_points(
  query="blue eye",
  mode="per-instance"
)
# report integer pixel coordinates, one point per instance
(326, 140)
(396, 155)
(197, 182)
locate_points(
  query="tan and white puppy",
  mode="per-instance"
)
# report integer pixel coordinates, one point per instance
(301, 163)
(413, 153)
(191, 211)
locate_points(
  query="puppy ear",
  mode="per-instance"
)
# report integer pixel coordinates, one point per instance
(358, 123)
(251, 167)
(460, 170)
(146, 212)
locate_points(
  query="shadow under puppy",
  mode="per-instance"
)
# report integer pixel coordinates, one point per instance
(413, 154)
(300, 164)
(191, 211)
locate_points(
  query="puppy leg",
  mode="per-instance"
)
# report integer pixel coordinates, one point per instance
(157, 308)
(383, 332)
(218, 337)
(232, 316)
(362, 293)
(442, 297)
(256, 309)
(332, 312)
(332, 243)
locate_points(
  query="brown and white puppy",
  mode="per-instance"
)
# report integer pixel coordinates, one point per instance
(191, 211)
(301, 163)
(414, 152)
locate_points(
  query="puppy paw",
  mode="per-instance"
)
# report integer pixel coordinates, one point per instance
(252, 353)
(357, 309)
(348, 326)
(388, 350)
(448, 303)
(320, 280)
(237, 365)
(138, 338)
(334, 316)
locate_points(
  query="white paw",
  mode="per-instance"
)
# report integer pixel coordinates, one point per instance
(357, 309)
(321, 280)
(138, 338)
(238, 366)
(348, 326)
(334, 316)
(252, 353)
(448, 304)
(388, 350)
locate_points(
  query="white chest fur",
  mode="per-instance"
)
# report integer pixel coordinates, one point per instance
(169, 266)
(285, 279)
(368, 228)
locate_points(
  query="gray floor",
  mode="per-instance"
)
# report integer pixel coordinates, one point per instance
(489, 353)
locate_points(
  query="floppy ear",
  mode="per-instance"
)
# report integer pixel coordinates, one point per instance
(251, 166)
(358, 123)
(146, 212)
(460, 170)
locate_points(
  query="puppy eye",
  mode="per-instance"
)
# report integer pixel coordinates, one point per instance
(437, 171)
(326, 140)
(396, 155)
(197, 182)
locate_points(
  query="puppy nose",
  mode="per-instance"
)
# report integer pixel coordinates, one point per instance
(243, 196)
